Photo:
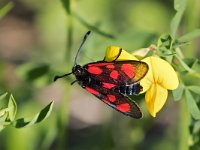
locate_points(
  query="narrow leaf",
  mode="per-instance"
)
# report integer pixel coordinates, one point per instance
(177, 93)
(175, 23)
(196, 128)
(179, 6)
(3, 96)
(6, 9)
(3, 115)
(37, 72)
(195, 89)
(12, 106)
(43, 114)
(192, 106)
(191, 35)
(66, 4)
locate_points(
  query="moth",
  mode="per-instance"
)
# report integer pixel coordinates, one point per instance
(111, 82)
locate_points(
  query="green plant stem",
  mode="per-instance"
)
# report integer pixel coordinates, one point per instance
(179, 55)
(69, 38)
(191, 23)
(183, 126)
(63, 119)
(64, 111)
(184, 65)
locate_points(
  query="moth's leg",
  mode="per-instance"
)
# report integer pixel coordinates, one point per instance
(57, 77)
(74, 82)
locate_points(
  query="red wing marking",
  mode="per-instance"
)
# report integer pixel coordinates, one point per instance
(94, 70)
(119, 72)
(128, 69)
(110, 66)
(114, 74)
(92, 91)
(125, 107)
(115, 100)
(99, 64)
(112, 98)
(108, 85)
(105, 101)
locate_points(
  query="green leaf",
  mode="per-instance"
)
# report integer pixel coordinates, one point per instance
(32, 72)
(178, 43)
(165, 41)
(37, 72)
(43, 114)
(3, 117)
(179, 6)
(3, 109)
(177, 93)
(66, 4)
(7, 115)
(196, 128)
(3, 121)
(5, 9)
(12, 106)
(191, 35)
(192, 106)
(190, 61)
(3, 96)
(195, 89)
(196, 65)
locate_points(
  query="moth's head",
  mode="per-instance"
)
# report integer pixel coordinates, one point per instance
(79, 71)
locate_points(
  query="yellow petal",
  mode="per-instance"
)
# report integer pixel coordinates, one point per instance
(155, 98)
(113, 51)
(161, 72)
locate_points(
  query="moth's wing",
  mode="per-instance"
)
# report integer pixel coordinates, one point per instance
(118, 72)
(117, 101)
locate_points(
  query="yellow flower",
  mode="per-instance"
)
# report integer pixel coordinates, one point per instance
(160, 78)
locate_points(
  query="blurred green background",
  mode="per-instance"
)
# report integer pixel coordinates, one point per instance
(38, 40)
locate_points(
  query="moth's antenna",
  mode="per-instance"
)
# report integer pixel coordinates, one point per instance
(84, 39)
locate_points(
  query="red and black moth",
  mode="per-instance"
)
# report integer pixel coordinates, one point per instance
(112, 82)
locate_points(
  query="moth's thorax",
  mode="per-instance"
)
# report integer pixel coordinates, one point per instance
(79, 71)
(81, 75)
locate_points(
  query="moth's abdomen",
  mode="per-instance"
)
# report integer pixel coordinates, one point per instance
(133, 89)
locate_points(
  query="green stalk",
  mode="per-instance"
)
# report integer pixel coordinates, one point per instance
(191, 22)
(64, 108)
(183, 126)
(63, 119)
(69, 38)
(184, 64)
